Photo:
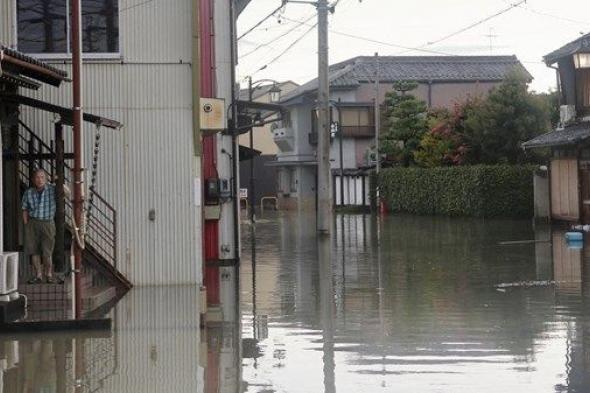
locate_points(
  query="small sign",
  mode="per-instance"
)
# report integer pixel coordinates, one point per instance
(243, 193)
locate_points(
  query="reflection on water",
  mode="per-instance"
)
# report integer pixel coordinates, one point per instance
(154, 347)
(400, 304)
(410, 304)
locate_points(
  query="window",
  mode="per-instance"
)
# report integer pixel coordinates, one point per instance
(44, 26)
(357, 121)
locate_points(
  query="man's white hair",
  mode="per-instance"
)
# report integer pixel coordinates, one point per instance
(40, 170)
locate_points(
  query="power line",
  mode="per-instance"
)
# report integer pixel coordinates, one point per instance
(547, 14)
(479, 22)
(374, 41)
(267, 43)
(263, 20)
(286, 49)
(408, 48)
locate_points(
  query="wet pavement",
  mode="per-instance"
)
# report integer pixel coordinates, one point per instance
(400, 304)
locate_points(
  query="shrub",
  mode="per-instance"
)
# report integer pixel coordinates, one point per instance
(478, 191)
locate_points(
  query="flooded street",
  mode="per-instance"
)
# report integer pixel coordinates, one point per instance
(400, 304)
(410, 304)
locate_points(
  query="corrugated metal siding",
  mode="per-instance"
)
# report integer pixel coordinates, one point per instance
(148, 164)
(155, 31)
(7, 22)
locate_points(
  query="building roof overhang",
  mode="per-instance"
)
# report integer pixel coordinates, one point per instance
(246, 153)
(580, 45)
(568, 136)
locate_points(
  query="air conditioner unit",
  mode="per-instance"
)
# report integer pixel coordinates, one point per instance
(213, 116)
(567, 114)
(8, 276)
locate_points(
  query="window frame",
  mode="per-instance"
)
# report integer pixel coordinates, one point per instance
(116, 56)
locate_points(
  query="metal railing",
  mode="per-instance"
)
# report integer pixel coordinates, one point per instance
(101, 219)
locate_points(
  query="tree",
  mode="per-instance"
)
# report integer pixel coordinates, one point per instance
(405, 123)
(443, 144)
(495, 128)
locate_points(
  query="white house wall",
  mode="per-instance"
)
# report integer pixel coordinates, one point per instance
(148, 164)
(302, 126)
(349, 158)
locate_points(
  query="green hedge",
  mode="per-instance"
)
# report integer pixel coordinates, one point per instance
(478, 191)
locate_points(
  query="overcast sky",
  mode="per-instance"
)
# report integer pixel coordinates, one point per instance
(528, 31)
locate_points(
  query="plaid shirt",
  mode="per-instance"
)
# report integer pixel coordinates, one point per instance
(40, 205)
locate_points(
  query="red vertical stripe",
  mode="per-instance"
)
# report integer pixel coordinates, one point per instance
(211, 227)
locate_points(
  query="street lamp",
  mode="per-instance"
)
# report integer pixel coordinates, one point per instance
(275, 96)
(275, 93)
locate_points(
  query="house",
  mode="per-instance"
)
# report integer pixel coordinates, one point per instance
(569, 170)
(265, 177)
(442, 81)
(137, 69)
(141, 67)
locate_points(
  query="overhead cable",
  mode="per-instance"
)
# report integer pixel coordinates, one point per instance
(479, 22)
(299, 23)
(263, 20)
(367, 39)
(286, 49)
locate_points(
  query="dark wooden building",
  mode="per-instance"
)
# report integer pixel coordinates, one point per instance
(570, 142)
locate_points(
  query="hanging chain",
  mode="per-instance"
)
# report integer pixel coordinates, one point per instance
(80, 228)
(92, 188)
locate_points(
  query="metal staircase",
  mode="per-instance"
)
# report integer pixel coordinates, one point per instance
(100, 253)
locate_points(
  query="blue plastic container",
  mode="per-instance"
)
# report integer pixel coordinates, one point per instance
(575, 245)
(574, 236)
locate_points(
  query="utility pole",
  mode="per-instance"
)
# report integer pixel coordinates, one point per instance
(341, 136)
(324, 212)
(251, 195)
(78, 155)
(377, 115)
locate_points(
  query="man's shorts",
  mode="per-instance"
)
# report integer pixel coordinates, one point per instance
(40, 237)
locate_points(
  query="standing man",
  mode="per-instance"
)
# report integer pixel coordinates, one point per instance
(39, 207)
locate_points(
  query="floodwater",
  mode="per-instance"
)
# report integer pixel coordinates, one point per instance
(399, 304)
(411, 304)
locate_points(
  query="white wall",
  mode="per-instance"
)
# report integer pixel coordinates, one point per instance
(349, 160)
(149, 163)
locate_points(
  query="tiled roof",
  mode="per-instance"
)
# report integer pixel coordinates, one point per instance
(571, 135)
(579, 45)
(357, 70)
